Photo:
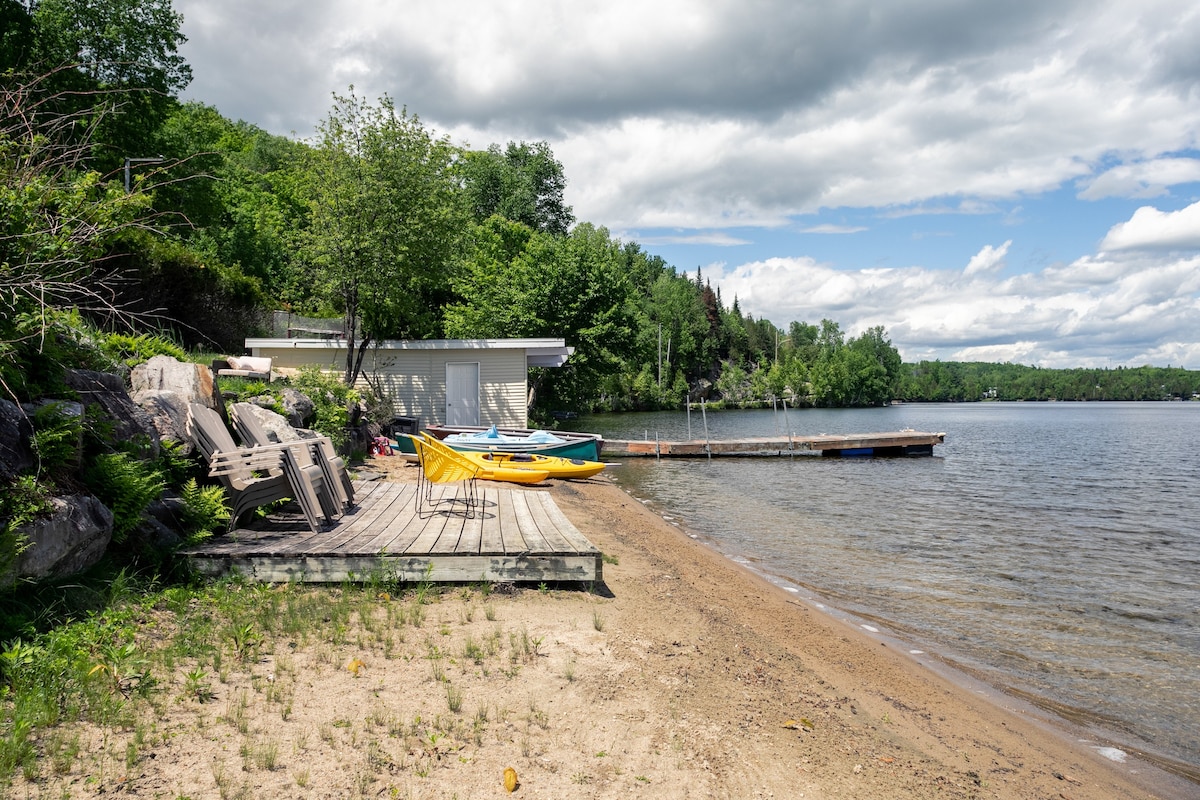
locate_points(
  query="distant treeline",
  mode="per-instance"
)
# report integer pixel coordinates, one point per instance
(953, 381)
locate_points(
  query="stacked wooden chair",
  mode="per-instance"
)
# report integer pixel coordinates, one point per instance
(256, 476)
(441, 465)
(318, 450)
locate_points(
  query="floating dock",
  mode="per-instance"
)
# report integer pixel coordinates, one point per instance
(518, 535)
(896, 443)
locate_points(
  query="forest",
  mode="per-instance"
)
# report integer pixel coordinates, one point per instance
(131, 212)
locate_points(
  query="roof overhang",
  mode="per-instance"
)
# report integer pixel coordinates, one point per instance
(538, 352)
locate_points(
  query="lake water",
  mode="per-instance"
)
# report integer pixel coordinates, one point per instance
(1049, 547)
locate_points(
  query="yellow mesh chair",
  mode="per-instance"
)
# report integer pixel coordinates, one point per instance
(440, 464)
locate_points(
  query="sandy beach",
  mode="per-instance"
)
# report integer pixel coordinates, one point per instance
(684, 675)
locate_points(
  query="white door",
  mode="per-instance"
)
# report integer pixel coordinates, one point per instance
(462, 393)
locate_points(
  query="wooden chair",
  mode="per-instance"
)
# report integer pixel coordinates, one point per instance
(240, 470)
(318, 450)
(440, 464)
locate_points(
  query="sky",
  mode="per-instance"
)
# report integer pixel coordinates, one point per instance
(1006, 182)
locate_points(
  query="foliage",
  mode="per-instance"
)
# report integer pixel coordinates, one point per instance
(127, 486)
(332, 400)
(385, 220)
(57, 440)
(951, 381)
(22, 501)
(523, 183)
(205, 511)
(519, 282)
(132, 350)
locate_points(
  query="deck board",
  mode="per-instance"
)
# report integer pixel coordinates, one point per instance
(519, 535)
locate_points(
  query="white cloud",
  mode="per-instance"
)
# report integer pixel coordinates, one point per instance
(833, 229)
(1147, 311)
(1142, 179)
(989, 259)
(1151, 229)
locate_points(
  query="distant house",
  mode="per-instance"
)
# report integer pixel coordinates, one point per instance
(451, 381)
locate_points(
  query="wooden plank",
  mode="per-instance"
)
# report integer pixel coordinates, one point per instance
(565, 527)
(531, 535)
(509, 533)
(556, 541)
(445, 569)
(386, 526)
(490, 540)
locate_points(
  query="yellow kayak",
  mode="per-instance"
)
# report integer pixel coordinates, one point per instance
(511, 475)
(554, 466)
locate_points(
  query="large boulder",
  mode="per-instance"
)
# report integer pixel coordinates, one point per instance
(72, 539)
(297, 406)
(108, 392)
(168, 414)
(16, 454)
(194, 383)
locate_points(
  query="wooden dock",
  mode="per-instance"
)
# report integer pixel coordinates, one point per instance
(517, 535)
(896, 443)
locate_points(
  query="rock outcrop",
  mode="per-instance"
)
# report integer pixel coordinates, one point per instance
(72, 539)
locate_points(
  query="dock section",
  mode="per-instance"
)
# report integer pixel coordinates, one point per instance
(896, 443)
(518, 535)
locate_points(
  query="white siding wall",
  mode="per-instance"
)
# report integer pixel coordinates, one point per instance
(416, 379)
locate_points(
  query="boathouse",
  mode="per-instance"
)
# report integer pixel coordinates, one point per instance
(449, 381)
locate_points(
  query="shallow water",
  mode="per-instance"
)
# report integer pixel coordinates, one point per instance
(1054, 547)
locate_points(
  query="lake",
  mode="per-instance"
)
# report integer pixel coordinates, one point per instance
(1053, 548)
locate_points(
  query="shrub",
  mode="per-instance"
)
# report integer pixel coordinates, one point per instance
(205, 511)
(57, 440)
(127, 486)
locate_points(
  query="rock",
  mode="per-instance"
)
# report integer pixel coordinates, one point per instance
(71, 540)
(168, 412)
(16, 435)
(107, 391)
(194, 383)
(152, 536)
(277, 428)
(298, 407)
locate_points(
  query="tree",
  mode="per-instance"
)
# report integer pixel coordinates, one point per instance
(519, 282)
(385, 223)
(124, 57)
(523, 183)
(56, 222)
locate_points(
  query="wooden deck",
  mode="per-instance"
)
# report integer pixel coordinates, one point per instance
(518, 535)
(887, 443)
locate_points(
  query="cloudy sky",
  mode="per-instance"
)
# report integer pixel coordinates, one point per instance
(1015, 181)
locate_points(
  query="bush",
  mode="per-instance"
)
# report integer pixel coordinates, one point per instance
(127, 486)
(205, 512)
(57, 441)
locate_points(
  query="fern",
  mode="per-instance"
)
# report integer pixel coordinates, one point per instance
(205, 511)
(127, 486)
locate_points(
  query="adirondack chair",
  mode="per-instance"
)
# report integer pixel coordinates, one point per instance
(440, 464)
(318, 450)
(239, 470)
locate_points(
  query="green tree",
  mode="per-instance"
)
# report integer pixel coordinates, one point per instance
(519, 282)
(385, 224)
(523, 183)
(122, 56)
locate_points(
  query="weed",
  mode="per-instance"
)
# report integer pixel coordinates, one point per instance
(489, 611)
(597, 621)
(454, 697)
(609, 559)
(196, 686)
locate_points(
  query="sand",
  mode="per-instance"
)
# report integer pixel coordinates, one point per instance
(684, 675)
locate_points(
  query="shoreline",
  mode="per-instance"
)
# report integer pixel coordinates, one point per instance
(1062, 719)
(964, 702)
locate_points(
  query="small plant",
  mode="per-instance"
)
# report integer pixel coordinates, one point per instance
(57, 440)
(454, 698)
(205, 512)
(609, 559)
(245, 639)
(196, 686)
(124, 667)
(597, 621)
